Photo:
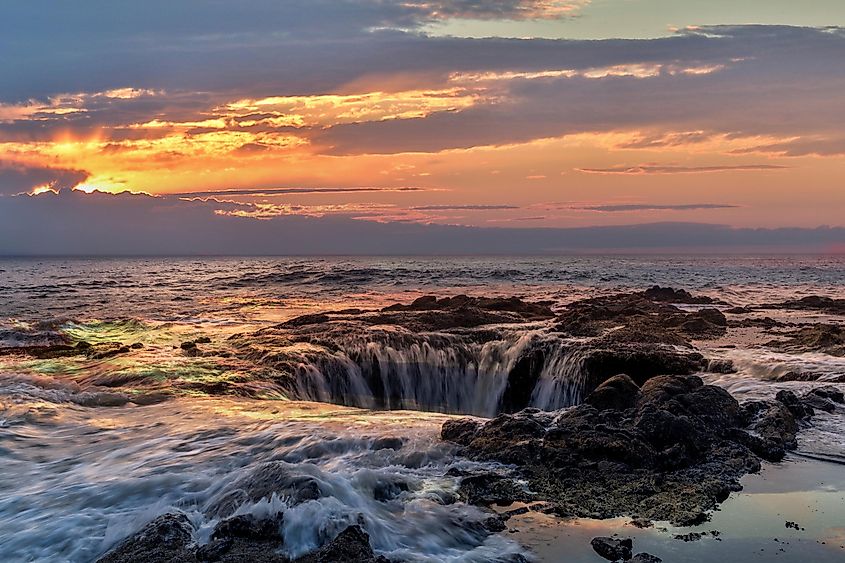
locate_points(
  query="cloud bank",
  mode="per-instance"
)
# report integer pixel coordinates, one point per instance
(75, 223)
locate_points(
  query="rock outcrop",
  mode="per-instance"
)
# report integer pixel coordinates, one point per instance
(670, 449)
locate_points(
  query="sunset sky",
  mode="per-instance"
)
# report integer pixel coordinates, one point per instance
(503, 113)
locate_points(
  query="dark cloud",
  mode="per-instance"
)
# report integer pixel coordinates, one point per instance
(295, 191)
(462, 207)
(74, 223)
(621, 208)
(657, 169)
(18, 178)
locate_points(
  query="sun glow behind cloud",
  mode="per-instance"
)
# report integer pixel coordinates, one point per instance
(486, 128)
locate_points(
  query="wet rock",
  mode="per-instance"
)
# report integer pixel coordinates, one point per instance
(100, 399)
(305, 320)
(639, 361)
(248, 526)
(152, 398)
(527, 310)
(634, 317)
(352, 545)
(460, 430)
(721, 366)
(671, 295)
(619, 393)
(812, 303)
(275, 477)
(817, 402)
(613, 549)
(167, 539)
(646, 558)
(672, 450)
(489, 489)
(388, 443)
(826, 338)
(830, 392)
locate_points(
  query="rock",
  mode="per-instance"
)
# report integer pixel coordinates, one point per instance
(275, 477)
(791, 401)
(352, 545)
(619, 393)
(671, 295)
(613, 549)
(249, 527)
(388, 443)
(646, 558)
(812, 303)
(137, 345)
(817, 402)
(826, 338)
(202, 340)
(721, 366)
(460, 430)
(188, 345)
(830, 392)
(167, 539)
(672, 450)
(488, 489)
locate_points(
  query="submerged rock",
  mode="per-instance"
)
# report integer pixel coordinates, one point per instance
(167, 539)
(352, 545)
(826, 338)
(812, 303)
(613, 549)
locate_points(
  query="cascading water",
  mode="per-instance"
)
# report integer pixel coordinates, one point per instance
(389, 367)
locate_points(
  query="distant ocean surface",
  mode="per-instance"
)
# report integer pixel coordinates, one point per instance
(250, 289)
(79, 475)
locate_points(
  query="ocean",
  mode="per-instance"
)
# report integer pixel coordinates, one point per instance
(189, 394)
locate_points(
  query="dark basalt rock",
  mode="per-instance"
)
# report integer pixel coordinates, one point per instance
(671, 450)
(671, 295)
(830, 392)
(646, 558)
(167, 539)
(812, 303)
(528, 311)
(613, 549)
(640, 362)
(249, 527)
(634, 317)
(275, 477)
(352, 545)
(826, 338)
(618, 393)
(460, 430)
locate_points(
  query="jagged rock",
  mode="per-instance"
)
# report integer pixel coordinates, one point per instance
(812, 303)
(487, 489)
(613, 549)
(167, 539)
(352, 545)
(830, 392)
(460, 430)
(635, 318)
(826, 338)
(249, 527)
(671, 295)
(646, 558)
(721, 366)
(671, 451)
(275, 477)
(619, 393)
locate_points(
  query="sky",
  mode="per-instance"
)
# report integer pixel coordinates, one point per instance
(552, 124)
